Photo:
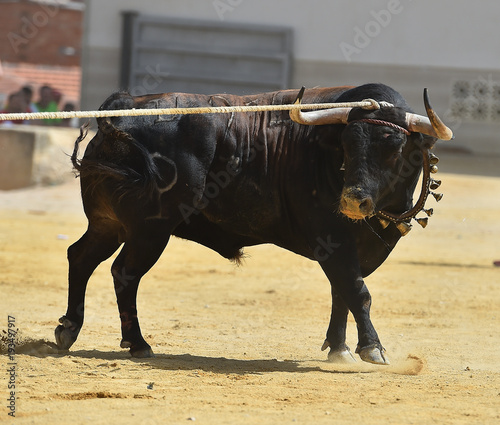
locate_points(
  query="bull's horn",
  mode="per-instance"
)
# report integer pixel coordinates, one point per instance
(430, 125)
(320, 117)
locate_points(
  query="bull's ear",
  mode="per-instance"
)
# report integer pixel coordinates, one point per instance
(428, 142)
(423, 141)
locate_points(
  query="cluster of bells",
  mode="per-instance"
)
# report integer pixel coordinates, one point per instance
(405, 226)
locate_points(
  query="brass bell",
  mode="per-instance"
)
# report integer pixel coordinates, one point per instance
(437, 196)
(422, 221)
(404, 227)
(434, 169)
(429, 212)
(435, 184)
(433, 159)
(384, 222)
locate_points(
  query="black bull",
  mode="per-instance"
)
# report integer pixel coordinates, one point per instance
(228, 181)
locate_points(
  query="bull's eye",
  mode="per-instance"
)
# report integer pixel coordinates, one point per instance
(393, 157)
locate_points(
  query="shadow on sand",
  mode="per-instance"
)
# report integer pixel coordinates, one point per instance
(412, 365)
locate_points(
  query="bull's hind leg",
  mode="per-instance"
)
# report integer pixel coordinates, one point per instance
(336, 334)
(98, 243)
(143, 247)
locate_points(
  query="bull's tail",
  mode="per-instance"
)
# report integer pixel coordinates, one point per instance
(84, 129)
(115, 155)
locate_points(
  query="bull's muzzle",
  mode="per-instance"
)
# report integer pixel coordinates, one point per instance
(355, 204)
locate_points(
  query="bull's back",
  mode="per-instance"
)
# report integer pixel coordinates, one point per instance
(233, 167)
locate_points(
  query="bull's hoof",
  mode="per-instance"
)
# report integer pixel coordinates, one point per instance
(66, 333)
(143, 353)
(373, 354)
(341, 356)
(138, 351)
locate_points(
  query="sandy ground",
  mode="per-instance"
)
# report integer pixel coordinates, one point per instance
(242, 345)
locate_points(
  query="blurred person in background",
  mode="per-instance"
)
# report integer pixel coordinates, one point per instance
(16, 104)
(48, 103)
(56, 97)
(70, 122)
(27, 92)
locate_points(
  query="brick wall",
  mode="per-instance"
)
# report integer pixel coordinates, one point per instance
(40, 33)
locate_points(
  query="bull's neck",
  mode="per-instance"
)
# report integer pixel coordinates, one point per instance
(327, 159)
(403, 184)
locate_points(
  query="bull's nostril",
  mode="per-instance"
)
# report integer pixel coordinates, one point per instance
(366, 206)
(356, 205)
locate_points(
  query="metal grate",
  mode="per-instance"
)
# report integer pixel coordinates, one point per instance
(166, 55)
(476, 100)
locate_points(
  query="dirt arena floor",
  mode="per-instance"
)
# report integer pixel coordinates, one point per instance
(242, 345)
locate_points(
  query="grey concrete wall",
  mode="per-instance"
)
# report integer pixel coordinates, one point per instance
(444, 33)
(16, 158)
(100, 76)
(31, 155)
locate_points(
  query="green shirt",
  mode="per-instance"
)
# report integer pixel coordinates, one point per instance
(51, 107)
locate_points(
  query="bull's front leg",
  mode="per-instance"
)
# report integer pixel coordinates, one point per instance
(336, 334)
(341, 267)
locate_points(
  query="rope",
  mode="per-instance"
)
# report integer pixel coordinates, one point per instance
(366, 104)
(384, 123)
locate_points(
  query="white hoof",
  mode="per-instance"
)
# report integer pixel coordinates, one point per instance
(341, 356)
(374, 354)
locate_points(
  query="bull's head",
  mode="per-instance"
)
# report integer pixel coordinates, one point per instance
(376, 153)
